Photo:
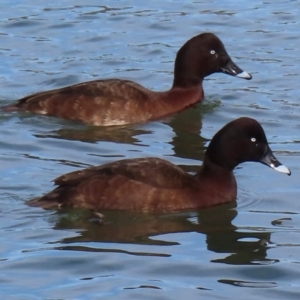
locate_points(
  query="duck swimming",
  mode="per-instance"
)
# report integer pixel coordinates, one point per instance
(156, 185)
(120, 102)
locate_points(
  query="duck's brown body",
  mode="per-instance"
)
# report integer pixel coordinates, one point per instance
(111, 102)
(146, 184)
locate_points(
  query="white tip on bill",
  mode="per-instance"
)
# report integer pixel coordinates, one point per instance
(282, 169)
(244, 75)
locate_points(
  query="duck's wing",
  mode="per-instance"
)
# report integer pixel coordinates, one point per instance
(150, 171)
(99, 102)
(124, 89)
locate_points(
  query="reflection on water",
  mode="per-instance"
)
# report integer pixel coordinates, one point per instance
(240, 247)
(186, 127)
(94, 134)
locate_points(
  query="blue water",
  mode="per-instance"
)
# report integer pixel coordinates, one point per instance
(245, 250)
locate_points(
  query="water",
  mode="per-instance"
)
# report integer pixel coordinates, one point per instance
(247, 249)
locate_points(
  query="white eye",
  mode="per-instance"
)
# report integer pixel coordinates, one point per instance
(212, 51)
(253, 140)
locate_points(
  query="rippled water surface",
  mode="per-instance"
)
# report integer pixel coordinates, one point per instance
(245, 250)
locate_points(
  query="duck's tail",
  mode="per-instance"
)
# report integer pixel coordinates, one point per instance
(9, 108)
(41, 202)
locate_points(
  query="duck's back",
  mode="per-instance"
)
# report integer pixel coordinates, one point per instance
(146, 184)
(100, 102)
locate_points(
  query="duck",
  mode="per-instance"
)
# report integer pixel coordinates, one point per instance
(109, 102)
(155, 185)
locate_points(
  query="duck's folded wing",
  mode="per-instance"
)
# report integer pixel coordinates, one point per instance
(122, 89)
(150, 171)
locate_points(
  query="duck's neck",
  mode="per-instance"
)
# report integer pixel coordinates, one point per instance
(177, 99)
(219, 183)
(210, 168)
(189, 68)
(182, 81)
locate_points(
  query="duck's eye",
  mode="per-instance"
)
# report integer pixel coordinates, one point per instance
(212, 52)
(253, 140)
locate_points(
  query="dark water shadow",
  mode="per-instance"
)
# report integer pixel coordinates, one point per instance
(185, 125)
(187, 141)
(94, 134)
(239, 246)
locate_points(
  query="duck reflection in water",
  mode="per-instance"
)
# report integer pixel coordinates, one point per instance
(239, 247)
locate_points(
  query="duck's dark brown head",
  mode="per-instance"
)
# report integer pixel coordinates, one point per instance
(239, 141)
(202, 56)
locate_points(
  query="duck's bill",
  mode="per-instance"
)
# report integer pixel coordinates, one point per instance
(232, 69)
(270, 160)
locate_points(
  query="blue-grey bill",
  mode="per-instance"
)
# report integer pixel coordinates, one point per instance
(232, 69)
(244, 75)
(270, 160)
(281, 168)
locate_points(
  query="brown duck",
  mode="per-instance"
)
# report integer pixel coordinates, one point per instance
(120, 102)
(156, 185)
